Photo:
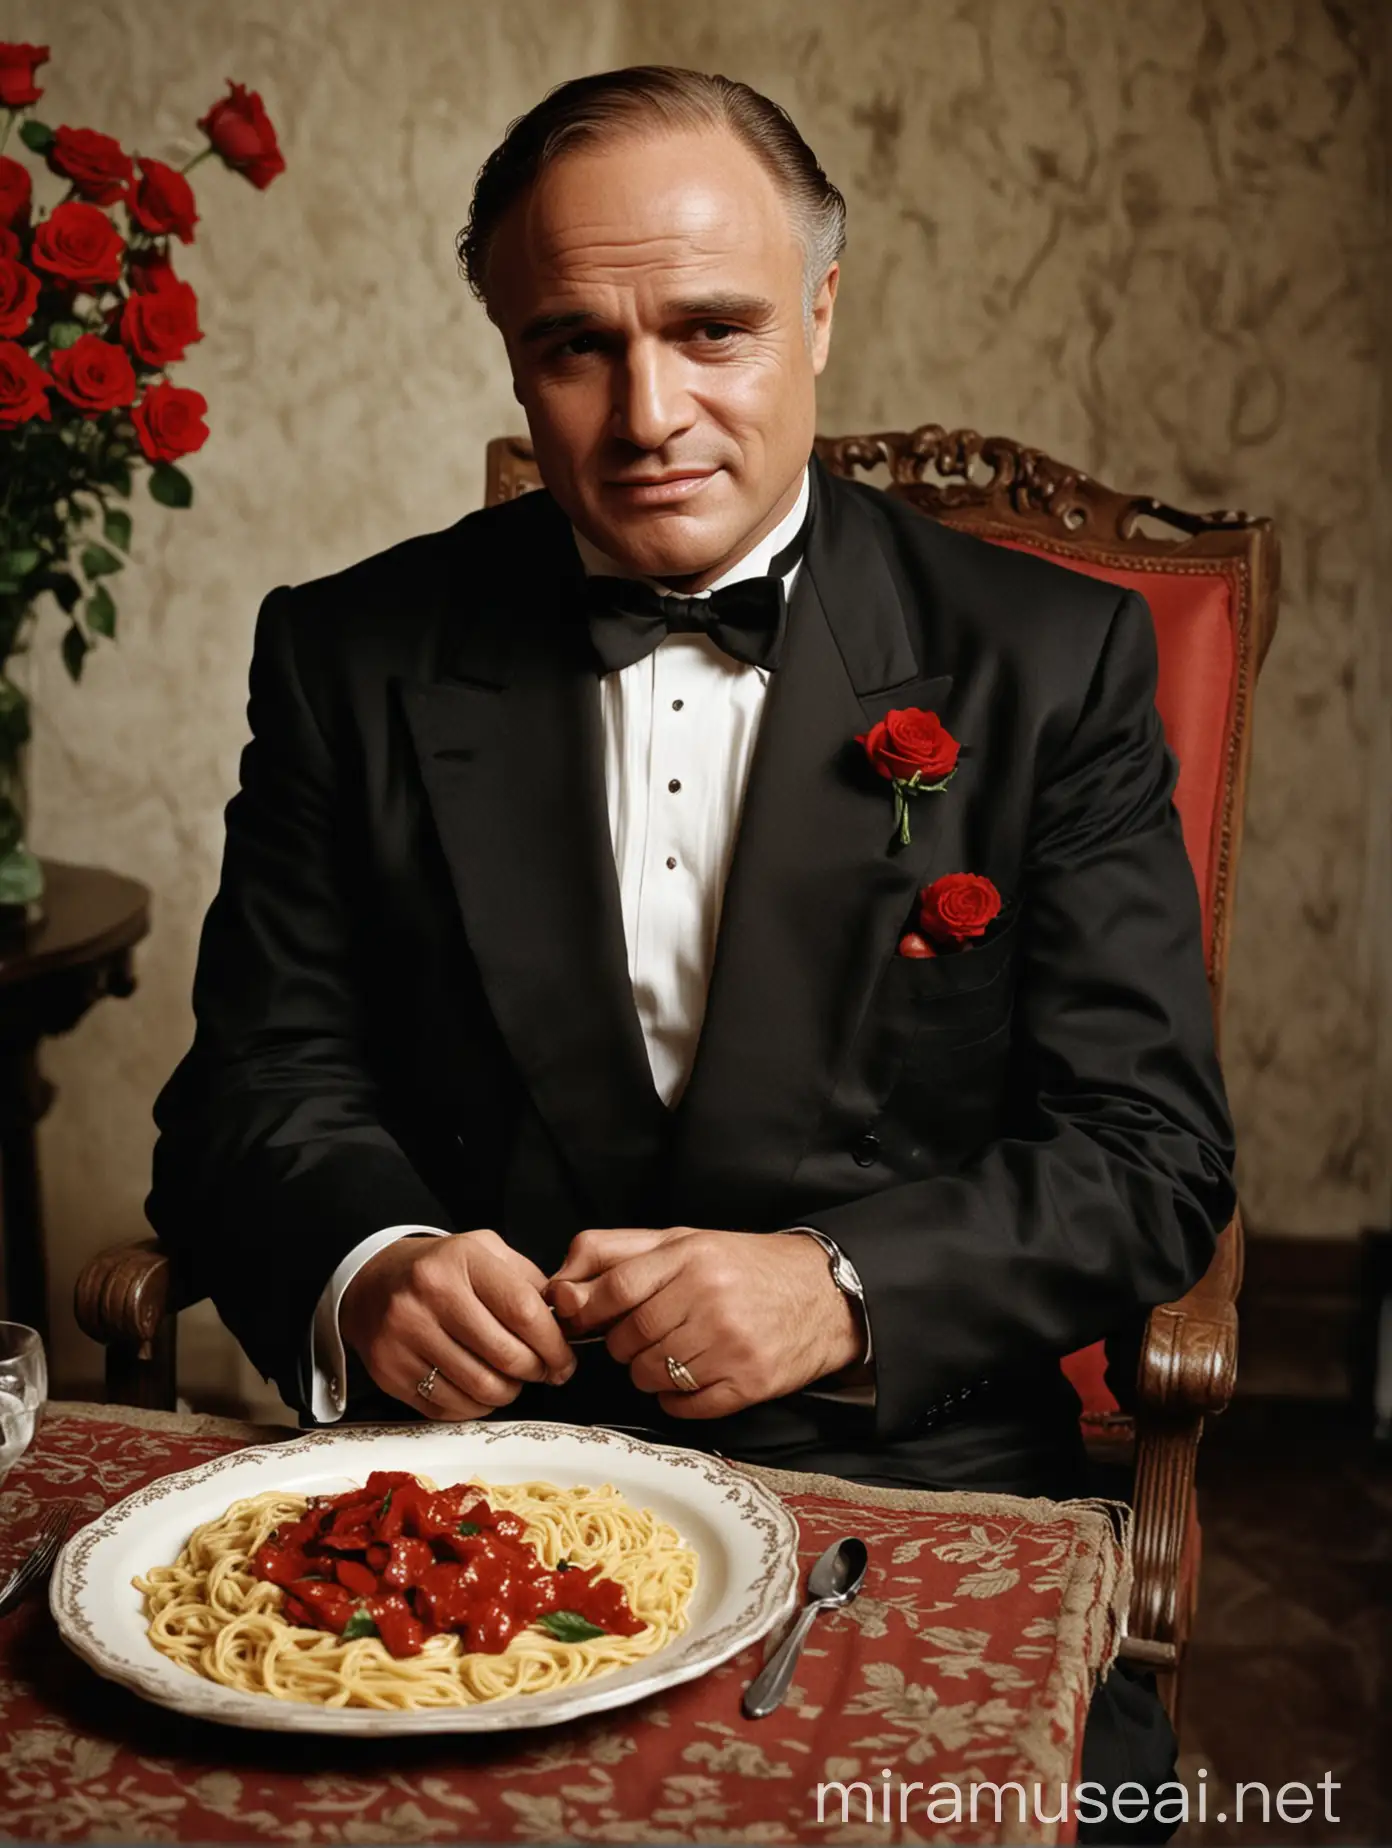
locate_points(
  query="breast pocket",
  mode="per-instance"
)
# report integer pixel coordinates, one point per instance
(961, 996)
(929, 1011)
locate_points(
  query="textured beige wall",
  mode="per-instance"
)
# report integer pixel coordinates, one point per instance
(1144, 236)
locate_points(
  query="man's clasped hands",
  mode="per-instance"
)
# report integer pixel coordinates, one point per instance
(751, 1316)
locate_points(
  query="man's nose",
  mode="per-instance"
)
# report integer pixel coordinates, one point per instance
(651, 405)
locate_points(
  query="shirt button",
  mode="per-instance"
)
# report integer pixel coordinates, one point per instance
(866, 1149)
(677, 704)
(671, 861)
(674, 785)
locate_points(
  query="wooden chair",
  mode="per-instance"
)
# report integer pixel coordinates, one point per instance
(1211, 582)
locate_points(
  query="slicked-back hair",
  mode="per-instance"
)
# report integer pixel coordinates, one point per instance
(588, 111)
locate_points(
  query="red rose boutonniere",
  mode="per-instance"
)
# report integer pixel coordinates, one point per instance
(951, 912)
(915, 752)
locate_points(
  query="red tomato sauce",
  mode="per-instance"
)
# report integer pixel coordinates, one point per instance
(406, 1563)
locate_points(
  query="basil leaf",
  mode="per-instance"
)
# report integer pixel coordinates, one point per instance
(569, 1627)
(359, 1624)
(382, 1511)
(563, 1565)
(469, 1527)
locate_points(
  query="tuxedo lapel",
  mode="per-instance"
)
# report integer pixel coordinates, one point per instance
(816, 895)
(510, 746)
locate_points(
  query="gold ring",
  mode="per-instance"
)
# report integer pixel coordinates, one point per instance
(426, 1386)
(681, 1376)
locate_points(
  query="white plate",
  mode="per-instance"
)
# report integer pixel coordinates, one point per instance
(745, 1538)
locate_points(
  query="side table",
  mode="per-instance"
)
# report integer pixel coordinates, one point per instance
(51, 972)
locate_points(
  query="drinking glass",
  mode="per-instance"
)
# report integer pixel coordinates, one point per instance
(23, 1389)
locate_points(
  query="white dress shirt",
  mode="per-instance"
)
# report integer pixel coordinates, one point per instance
(680, 727)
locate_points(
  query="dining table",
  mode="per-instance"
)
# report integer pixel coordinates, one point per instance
(964, 1667)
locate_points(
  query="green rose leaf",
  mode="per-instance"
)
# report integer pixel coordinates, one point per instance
(359, 1624)
(14, 715)
(65, 588)
(569, 1627)
(170, 486)
(101, 612)
(20, 563)
(21, 877)
(65, 334)
(117, 527)
(97, 562)
(75, 647)
(37, 136)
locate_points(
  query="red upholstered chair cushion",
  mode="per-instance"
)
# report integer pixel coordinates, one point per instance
(1196, 643)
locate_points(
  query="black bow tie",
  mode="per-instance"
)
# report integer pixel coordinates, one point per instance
(628, 618)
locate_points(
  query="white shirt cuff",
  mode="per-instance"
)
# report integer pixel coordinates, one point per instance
(328, 1364)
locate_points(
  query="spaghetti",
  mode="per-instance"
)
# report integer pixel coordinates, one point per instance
(218, 1614)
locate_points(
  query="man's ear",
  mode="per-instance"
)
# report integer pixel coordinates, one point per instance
(823, 304)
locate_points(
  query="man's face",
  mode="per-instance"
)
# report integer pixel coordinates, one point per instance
(650, 293)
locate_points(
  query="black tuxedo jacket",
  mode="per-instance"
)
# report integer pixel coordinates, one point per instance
(412, 996)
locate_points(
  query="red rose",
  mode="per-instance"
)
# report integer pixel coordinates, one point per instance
(163, 202)
(169, 422)
(19, 290)
(97, 165)
(79, 244)
(16, 192)
(17, 66)
(957, 906)
(9, 243)
(94, 375)
(241, 132)
(910, 740)
(148, 270)
(159, 325)
(23, 386)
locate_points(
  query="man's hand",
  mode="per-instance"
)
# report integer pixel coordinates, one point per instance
(752, 1315)
(469, 1305)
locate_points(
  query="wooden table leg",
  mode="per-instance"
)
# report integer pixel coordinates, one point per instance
(25, 1095)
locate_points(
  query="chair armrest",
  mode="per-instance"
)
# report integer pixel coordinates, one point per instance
(1188, 1367)
(124, 1293)
(1188, 1364)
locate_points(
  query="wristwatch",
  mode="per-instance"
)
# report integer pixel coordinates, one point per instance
(846, 1279)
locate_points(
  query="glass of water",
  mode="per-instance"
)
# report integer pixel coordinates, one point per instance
(23, 1389)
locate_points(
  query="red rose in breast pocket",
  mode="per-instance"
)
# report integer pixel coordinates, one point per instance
(952, 912)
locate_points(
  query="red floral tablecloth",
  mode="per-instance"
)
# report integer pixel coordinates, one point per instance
(969, 1658)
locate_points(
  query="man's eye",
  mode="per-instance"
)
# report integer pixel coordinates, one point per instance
(577, 344)
(717, 332)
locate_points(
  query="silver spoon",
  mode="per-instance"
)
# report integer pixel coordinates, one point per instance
(832, 1582)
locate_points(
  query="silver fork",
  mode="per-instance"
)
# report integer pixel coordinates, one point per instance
(35, 1566)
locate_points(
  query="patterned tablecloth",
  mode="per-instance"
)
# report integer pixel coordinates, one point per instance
(969, 1658)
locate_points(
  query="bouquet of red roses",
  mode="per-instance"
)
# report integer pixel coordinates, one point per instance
(92, 319)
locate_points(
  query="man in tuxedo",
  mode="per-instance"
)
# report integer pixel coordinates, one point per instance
(559, 1049)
